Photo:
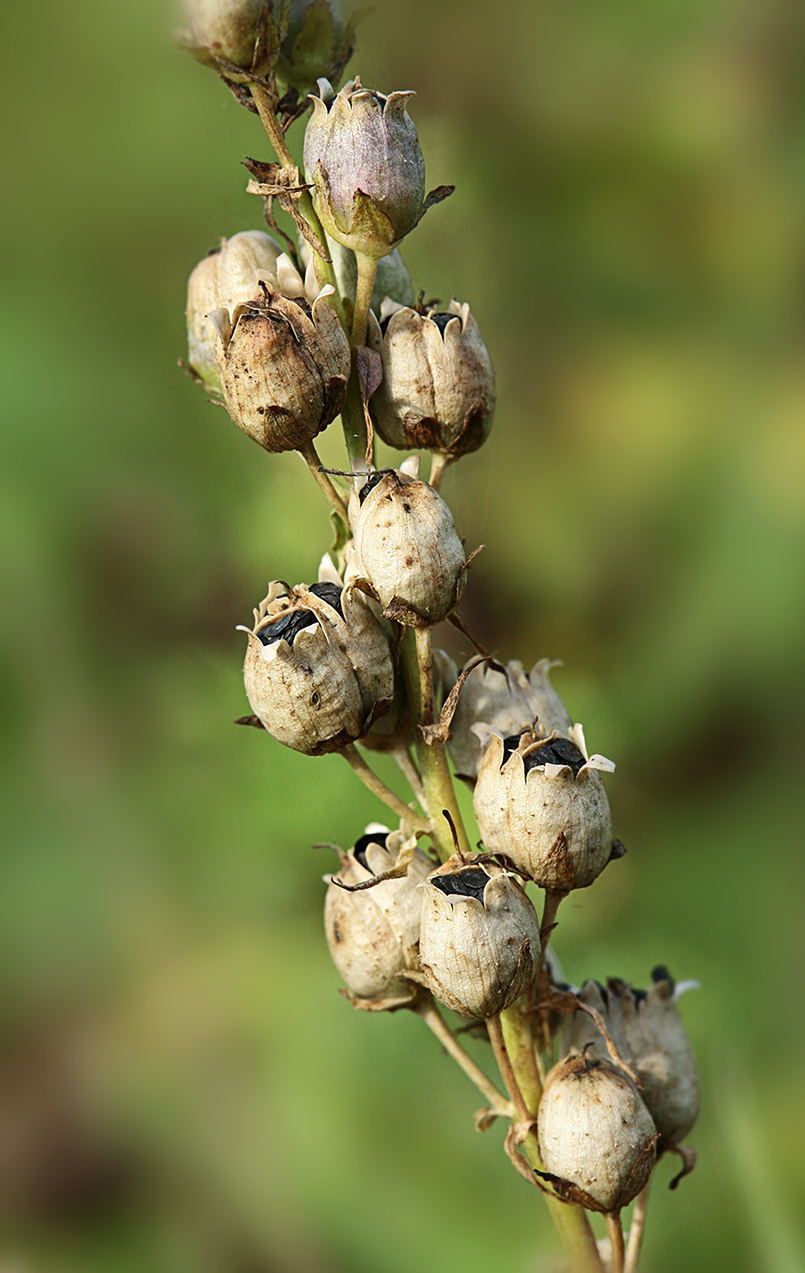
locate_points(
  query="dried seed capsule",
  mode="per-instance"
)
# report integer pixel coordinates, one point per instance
(318, 668)
(595, 1133)
(407, 548)
(438, 387)
(226, 278)
(648, 1032)
(245, 33)
(362, 155)
(373, 934)
(479, 944)
(508, 702)
(318, 44)
(284, 367)
(540, 803)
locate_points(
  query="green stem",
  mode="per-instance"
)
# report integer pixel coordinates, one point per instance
(571, 1221)
(353, 422)
(436, 780)
(384, 793)
(367, 269)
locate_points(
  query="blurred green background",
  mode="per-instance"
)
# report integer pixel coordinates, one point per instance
(181, 1087)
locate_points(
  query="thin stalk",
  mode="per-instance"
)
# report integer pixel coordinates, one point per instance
(311, 457)
(436, 780)
(384, 793)
(367, 269)
(615, 1231)
(548, 921)
(571, 1221)
(636, 1230)
(438, 463)
(410, 772)
(433, 1020)
(495, 1031)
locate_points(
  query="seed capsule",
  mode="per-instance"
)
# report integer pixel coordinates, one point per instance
(407, 548)
(318, 667)
(373, 934)
(362, 155)
(318, 44)
(508, 702)
(228, 277)
(479, 944)
(648, 1032)
(438, 387)
(595, 1133)
(245, 33)
(540, 803)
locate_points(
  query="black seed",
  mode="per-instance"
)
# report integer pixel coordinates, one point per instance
(561, 751)
(468, 883)
(359, 851)
(288, 626)
(329, 592)
(371, 482)
(441, 321)
(661, 973)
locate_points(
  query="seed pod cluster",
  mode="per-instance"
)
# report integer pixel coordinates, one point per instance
(480, 938)
(373, 934)
(541, 803)
(318, 667)
(595, 1133)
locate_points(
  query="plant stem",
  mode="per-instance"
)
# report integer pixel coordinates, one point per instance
(353, 422)
(436, 780)
(310, 455)
(571, 1221)
(548, 921)
(438, 464)
(410, 772)
(429, 1013)
(615, 1231)
(507, 1073)
(367, 269)
(384, 793)
(636, 1230)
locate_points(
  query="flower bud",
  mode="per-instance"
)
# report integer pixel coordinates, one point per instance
(318, 668)
(540, 803)
(479, 943)
(362, 155)
(438, 387)
(284, 366)
(373, 934)
(595, 1133)
(226, 278)
(508, 702)
(648, 1032)
(244, 33)
(407, 548)
(317, 46)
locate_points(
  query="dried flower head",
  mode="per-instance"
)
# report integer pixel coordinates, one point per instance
(362, 155)
(507, 702)
(406, 548)
(284, 362)
(595, 1134)
(648, 1033)
(480, 938)
(541, 803)
(373, 934)
(438, 386)
(226, 278)
(318, 667)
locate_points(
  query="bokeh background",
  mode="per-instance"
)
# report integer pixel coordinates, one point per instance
(182, 1089)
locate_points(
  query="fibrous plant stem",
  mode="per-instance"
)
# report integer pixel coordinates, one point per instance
(311, 457)
(429, 1013)
(615, 1231)
(438, 464)
(384, 793)
(436, 781)
(571, 1221)
(367, 269)
(636, 1230)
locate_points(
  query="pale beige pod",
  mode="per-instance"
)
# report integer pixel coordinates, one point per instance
(373, 934)
(226, 278)
(595, 1133)
(479, 944)
(318, 667)
(406, 548)
(438, 386)
(508, 701)
(541, 803)
(652, 1039)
